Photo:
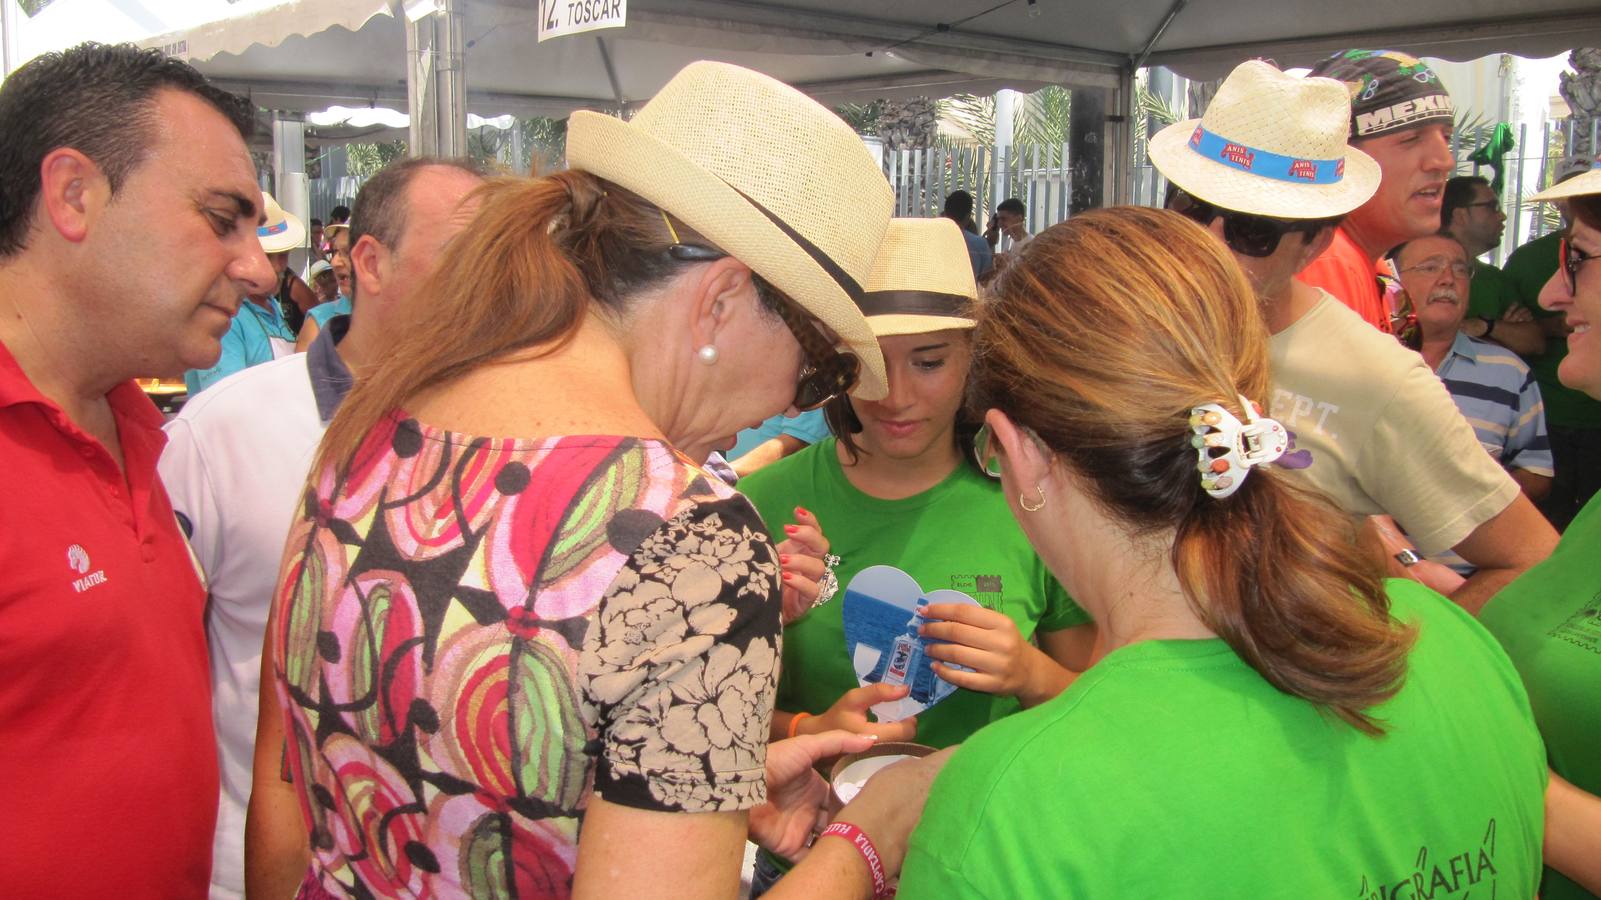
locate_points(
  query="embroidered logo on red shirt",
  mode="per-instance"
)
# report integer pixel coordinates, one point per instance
(78, 561)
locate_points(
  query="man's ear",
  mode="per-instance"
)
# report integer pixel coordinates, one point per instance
(72, 191)
(1315, 245)
(368, 260)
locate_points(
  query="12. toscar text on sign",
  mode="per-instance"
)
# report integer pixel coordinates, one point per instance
(563, 17)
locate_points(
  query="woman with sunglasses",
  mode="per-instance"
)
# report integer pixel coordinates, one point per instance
(898, 485)
(514, 603)
(1549, 620)
(1270, 716)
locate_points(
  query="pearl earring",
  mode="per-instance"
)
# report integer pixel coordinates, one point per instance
(707, 354)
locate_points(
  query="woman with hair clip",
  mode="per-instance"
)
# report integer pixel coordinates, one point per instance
(1270, 716)
(1549, 619)
(514, 604)
(898, 486)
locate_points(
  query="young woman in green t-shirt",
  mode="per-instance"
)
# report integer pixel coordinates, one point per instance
(1269, 717)
(893, 489)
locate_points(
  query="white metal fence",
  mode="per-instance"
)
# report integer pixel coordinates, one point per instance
(1042, 177)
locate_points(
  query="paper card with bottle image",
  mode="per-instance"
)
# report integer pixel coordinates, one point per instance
(883, 610)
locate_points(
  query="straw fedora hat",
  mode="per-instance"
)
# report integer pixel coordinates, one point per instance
(921, 280)
(1586, 182)
(283, 231)
(1270, 144)
(766, 174)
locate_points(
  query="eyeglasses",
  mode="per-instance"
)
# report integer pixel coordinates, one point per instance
(829, 373)
(1492, 204)
(1572, 258)
(1435, 265)
(1246, 234)
(987, 460)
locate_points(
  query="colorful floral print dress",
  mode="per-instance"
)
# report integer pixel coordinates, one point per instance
(473, 634)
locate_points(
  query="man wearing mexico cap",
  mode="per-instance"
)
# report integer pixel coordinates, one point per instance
(1401, 116)
(259, 333)
(1268, 171)
(237, 457)
(123, 253)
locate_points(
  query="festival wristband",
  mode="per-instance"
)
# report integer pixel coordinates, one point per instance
(864, 846)
(796, 720)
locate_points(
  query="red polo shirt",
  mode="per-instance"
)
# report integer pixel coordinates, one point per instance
(108, 766)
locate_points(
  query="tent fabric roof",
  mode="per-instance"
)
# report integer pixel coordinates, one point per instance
(303, 54)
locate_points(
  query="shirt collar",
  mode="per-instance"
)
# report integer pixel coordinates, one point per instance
(128, 402)
(1462, 346)
(330, 377)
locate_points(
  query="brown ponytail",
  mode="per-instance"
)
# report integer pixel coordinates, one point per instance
(1103, 336)
(522, 277)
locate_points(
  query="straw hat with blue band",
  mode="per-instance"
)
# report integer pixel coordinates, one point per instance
(1270, 144)
(1586, 182)
(765, 173)
(282, 231)
(921, 280)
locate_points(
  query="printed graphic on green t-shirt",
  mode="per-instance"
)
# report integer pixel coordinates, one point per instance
(958, 534)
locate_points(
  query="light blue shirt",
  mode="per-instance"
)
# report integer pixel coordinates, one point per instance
(810, 427)
(249, 342)
(322, 312)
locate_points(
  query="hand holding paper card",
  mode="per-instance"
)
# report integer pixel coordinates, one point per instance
(883, 611)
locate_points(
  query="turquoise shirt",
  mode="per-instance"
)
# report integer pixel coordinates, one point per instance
(322, 312)
(247, 343)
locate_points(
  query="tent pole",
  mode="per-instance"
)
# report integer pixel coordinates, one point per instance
(8, 36)
(436, 82)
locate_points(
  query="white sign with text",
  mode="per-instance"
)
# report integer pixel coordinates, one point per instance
(563, 17)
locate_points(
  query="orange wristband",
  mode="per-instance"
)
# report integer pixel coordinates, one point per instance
(796, 721)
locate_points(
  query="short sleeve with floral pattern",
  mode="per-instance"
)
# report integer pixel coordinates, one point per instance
(473, 634)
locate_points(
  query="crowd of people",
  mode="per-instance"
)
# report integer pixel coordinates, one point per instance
(439, 584)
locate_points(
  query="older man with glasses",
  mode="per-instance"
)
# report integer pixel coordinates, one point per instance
(1268, 171)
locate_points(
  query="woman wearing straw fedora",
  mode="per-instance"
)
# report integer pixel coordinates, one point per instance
(899, 485)
(1270, 716)
(514, 604)
(259, 332)
(1549, 620)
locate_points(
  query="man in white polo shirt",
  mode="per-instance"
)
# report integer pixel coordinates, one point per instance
(237, 456)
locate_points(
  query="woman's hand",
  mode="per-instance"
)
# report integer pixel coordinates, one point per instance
(849, 713)
(988, 642)
(796, 795)
(801, 559)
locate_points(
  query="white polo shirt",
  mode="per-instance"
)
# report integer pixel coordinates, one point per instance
(235, 466)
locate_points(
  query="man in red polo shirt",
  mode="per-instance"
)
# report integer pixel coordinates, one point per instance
(128, 213)
(1401, 115)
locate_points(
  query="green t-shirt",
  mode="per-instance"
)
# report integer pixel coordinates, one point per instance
(1526, 272)
(1549, 621)
(958, 534)
(1172, 769)
(1489, 296)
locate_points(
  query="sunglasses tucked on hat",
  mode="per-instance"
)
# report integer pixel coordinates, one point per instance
(282, 231)
(921, 280)
(765, 173)
(1573, 181)
(1270, 144)
(1389, 90)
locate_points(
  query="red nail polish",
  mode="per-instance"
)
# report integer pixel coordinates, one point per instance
(791, 529)
(801, 511)
(788, 576)
(783, 559)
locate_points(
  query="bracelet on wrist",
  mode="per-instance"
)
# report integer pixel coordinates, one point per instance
(864, 846)
(1489, 326)
(795, 721)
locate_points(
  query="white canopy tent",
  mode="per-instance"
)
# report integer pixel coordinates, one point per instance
(482, 55)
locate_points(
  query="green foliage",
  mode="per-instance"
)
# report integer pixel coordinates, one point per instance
(861, 117)
(367, 159)
(32, 7)
(1041, 119)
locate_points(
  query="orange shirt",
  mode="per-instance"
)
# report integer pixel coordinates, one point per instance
(1346, 272)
